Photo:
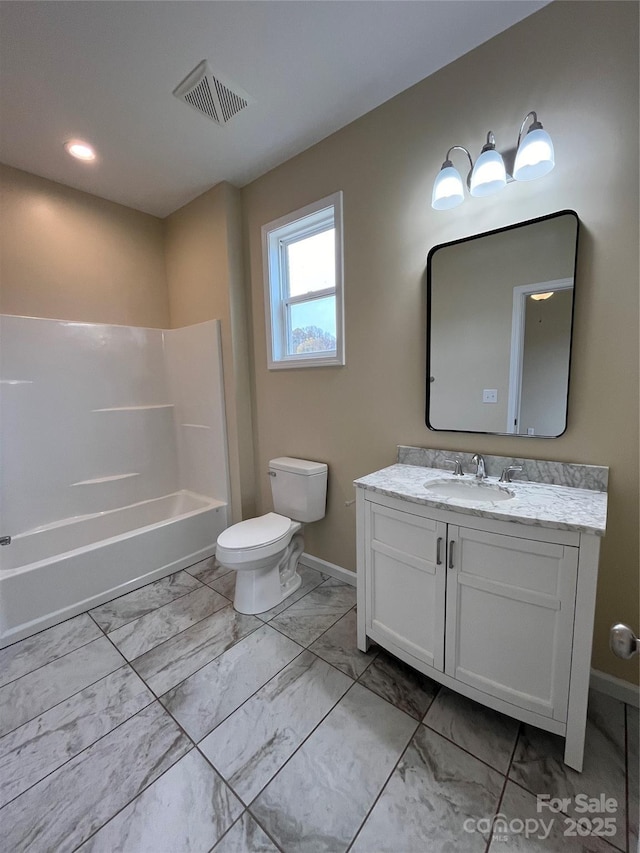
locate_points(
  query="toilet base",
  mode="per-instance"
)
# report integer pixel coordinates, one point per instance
(258, 590)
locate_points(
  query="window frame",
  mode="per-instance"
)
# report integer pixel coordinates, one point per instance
(276, 237)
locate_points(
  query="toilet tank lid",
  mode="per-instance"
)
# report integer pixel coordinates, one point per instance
(297, 466)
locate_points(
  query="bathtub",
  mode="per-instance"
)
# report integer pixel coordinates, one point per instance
(54, 572)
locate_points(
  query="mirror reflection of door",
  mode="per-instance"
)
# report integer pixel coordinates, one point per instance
(539, 363)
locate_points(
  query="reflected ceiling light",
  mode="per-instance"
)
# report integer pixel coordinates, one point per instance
(539, 296)
(534, 158)
(80, 150)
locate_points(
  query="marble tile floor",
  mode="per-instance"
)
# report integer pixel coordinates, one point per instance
(164, 721)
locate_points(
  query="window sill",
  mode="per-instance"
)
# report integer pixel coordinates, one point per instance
(296, 363)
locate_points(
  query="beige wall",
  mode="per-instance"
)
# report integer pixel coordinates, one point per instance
(205, 277)
(577, 65)
(68, 255)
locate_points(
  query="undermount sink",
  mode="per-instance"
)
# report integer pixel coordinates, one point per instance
(470, 490)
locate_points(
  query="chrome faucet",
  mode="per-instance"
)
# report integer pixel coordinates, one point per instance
(481, 473)
(457, 470)
(505, 477)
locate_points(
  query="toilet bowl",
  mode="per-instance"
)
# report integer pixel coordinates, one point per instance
(264, 551)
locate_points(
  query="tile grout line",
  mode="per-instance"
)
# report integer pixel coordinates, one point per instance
(422, 717)
(328, 628)
(280, 631)
(60, 657)
(504, 785)
(159, 645)
(227, 831)
(334, 666)
(291, 603)
(177, 634)
(468, 751)
(244, 636)
(384, 785)
(296, 750)
(133, 799)
(173, 637)
(71, 695)
(94, 622)
(183, 731)
(395, 766)
(266, 831)
(88, 746)
(135, 618)
(244, 702)
(156, 698)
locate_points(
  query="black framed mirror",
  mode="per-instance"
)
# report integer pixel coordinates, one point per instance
(499, 328)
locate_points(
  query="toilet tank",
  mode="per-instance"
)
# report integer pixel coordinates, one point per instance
(299, 488)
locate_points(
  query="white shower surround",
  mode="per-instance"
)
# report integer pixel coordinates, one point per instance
(114, 462)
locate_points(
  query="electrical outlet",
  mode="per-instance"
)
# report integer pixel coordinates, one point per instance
(490, 395)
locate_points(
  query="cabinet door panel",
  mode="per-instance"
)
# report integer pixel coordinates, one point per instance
(510, 618)
(411, 534)
(405, 583)
(523, 563)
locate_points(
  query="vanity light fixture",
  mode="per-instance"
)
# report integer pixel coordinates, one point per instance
(534, 158)
(80, 150)
(489, 175)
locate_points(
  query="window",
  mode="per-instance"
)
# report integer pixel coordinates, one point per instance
(302, 256)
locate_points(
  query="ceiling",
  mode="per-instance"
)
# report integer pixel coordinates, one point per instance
(105, 72)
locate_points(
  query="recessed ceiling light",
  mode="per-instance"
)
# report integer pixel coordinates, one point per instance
(80, 150)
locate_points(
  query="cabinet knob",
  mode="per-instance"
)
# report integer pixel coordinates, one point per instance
(451, 544)
(439, 551)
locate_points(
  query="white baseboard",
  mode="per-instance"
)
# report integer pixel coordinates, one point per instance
(328, 568)
(617, 688)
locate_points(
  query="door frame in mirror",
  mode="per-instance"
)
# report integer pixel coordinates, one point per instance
(429, 378)
(516, 360)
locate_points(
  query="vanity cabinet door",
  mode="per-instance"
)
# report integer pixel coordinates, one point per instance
(510, 609)
(405, 582)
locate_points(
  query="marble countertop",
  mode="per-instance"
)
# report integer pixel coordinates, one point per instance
(536, 504)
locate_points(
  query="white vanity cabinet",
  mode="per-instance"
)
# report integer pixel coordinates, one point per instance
(486, 607)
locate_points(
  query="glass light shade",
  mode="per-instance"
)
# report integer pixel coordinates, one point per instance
(448, 190)
(489, 175)
(535, 156)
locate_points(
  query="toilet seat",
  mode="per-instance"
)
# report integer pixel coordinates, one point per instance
(257, 537)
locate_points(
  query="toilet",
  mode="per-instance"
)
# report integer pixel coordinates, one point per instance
(264, 551)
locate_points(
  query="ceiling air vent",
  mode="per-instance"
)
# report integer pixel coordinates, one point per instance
(211, 94)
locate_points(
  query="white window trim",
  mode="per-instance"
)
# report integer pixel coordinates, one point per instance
(274, 240)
